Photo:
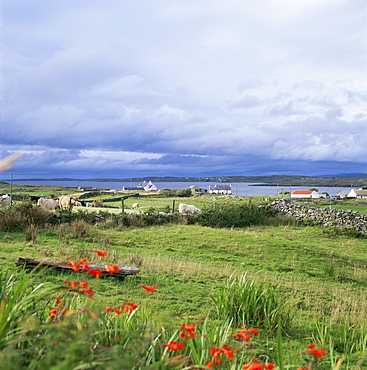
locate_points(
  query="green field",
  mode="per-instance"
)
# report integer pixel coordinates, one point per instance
(318, 273)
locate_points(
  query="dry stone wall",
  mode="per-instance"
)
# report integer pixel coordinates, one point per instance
(323, 216)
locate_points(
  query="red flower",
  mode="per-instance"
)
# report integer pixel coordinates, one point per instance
(87, 291)
(118, 312)
(189, 328)
(72, 284)
(111, 269)
(174, 346)
(58, 300)
(95, 273)
(83, 284)
(108, 309)
(258, 365)
(228, 352)
(53, 313)
(130, 307)
(149, 288)
(242, 336)
(310, 346)
(100, 253)
(319, 353)
(74, 265)
(215, 352)
(210, 364)
(84, 264)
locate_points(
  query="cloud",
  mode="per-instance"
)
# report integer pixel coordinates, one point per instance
(160, 88)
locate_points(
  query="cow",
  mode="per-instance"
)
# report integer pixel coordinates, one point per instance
(78, 204)
(135, 206)
(66, 202)
(184, 208)
(89, 204)
(5, 201)
(48, 204)
(97, 202)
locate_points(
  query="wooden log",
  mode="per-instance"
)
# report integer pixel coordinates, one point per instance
(64, 266)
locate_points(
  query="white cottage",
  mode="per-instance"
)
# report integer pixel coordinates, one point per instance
(305, 194)
(220, 189)
(360, 193)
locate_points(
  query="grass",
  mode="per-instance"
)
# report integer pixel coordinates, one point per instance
(319, 274)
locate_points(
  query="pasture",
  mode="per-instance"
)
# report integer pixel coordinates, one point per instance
(320, 275)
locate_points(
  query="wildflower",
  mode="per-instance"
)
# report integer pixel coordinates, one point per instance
(242, 336)
(118, 312)
(84, 264)
(130, 307)
(111, 269)
(319, 353)
(58, 300)
(188, 331)
(258, 365)
(95, 273)
(108, 309)
(74, 265)
(215, 352)
(174, 346)
(100, 253)
(149, 288)
(210, 364)
(311, 346)
(83, 284)
(228, 352)
(72, 284)
(87, 291)
(53, 313)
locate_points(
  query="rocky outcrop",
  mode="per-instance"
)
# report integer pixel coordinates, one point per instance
(322, 216)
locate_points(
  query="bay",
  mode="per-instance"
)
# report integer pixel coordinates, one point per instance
(240, 188)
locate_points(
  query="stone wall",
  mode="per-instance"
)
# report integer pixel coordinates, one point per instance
(322, 216)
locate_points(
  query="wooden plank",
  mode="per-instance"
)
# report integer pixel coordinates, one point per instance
(30, 263)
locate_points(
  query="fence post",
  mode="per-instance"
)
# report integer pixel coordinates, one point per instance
(122, 205)
(173, 206)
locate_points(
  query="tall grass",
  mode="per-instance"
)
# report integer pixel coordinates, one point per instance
(250, 303)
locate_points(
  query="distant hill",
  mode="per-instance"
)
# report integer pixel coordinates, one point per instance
(353, 180)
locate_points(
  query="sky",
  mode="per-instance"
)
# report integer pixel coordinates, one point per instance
(139, 88)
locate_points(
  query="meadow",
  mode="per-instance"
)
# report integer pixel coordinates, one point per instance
(214, 288)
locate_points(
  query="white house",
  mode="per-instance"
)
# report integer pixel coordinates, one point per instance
(144, 185)
(220, 189)
(341, 194)
(360, 193)
(305, 194)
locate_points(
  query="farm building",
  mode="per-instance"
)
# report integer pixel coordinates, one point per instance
(357, 193)
(341, 194)
(220, 189)
(304, 194)
(197, 189)
(144, 185)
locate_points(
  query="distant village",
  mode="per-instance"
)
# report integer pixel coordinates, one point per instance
(227, 189)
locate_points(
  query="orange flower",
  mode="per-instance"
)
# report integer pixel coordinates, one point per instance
(88, 291)
(149, 288)
(74, 265)
(311, 346)
(111, 269)
(174, 346)
(215, 352)
(58, 300)
(83, 284)
(53, 313)
(118, 312)
(189, 329)
(319, 353)
(95, 273)
(72, 284)
(257, 365)
(100, 253)
(242, 336)
(130, 307)
(108, 309)
(210, 364)
(84, 264)
(228, 352)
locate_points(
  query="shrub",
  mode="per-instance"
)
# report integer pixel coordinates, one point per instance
(232, 215)
(80, 228)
